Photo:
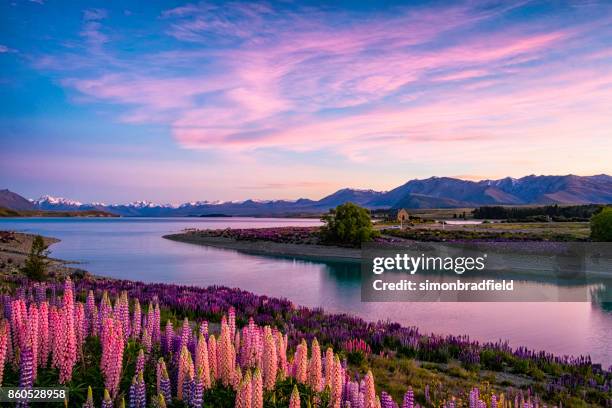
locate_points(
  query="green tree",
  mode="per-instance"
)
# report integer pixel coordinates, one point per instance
(601, 225)
(349, 224)
(36, 263)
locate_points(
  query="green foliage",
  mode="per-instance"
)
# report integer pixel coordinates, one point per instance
(348, 224)
(601, 226)
(36, 263)
(538, 214)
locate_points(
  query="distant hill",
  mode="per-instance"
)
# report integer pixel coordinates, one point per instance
(434, 192)
(14, 201)
(7, 212)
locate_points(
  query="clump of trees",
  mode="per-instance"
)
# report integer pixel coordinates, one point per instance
(538, 214)
(35, 266)
(348, 224)
(601, 225)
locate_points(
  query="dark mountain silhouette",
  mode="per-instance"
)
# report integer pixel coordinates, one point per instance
(434, 192)
(14, 201)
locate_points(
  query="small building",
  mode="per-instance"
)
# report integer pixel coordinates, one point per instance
(402, 215)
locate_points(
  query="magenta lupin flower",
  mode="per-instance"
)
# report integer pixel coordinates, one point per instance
(33, 337)
(68, 344)
(5, 332)
(43, 333)
(140, 362)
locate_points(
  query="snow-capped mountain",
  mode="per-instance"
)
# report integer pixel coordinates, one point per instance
(434, 192)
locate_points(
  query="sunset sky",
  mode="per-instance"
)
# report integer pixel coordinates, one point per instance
(173, 102)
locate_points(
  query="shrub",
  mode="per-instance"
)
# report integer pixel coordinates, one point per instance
(348, 224)
(601, 225)
(35, 266)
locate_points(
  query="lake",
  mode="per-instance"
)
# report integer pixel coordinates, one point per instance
(133, 248)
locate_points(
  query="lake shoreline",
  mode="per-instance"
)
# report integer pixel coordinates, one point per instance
(270, 248)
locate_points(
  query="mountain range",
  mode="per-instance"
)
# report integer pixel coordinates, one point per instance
(434, 192)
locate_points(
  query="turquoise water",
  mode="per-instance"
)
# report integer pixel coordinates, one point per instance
(132, 248)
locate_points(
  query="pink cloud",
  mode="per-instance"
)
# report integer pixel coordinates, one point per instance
(380, 87)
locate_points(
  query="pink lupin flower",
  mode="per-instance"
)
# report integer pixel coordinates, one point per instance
(80, 325)
(337, 383)
(146, 341)
(201, 362)
(185, 333)
(244, 394)
(156, 332)
(150, 319)
(112, 354)
(185, 371)
(281, 352)
(169, 335)
(91, 314)
(294, 402)
(301, 362)
(5, 332)
(18, 322)
(106, 311)
(136, 320)
(212, 357)
(55, 339)
(232, 321)
(226, 355)
(236, 379)
(43, 332)
(329, 366)
(370, 392)
(315, 379)
(257, 389)
(68, 335)
(270, 360)
(33, 337)
(204, 329)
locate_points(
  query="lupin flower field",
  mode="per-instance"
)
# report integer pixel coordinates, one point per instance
(128, 344)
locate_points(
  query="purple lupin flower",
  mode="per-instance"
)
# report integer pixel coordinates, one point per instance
(138, 396)
(408, 399)
(26, 371)
(164, 385)
(386, 401)
(196, 394)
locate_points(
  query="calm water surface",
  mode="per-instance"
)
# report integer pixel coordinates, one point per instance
(132, 248)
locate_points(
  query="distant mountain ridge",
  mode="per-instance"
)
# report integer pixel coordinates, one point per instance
(434, 192)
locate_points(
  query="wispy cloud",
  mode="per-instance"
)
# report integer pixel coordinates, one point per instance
(253, 76)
